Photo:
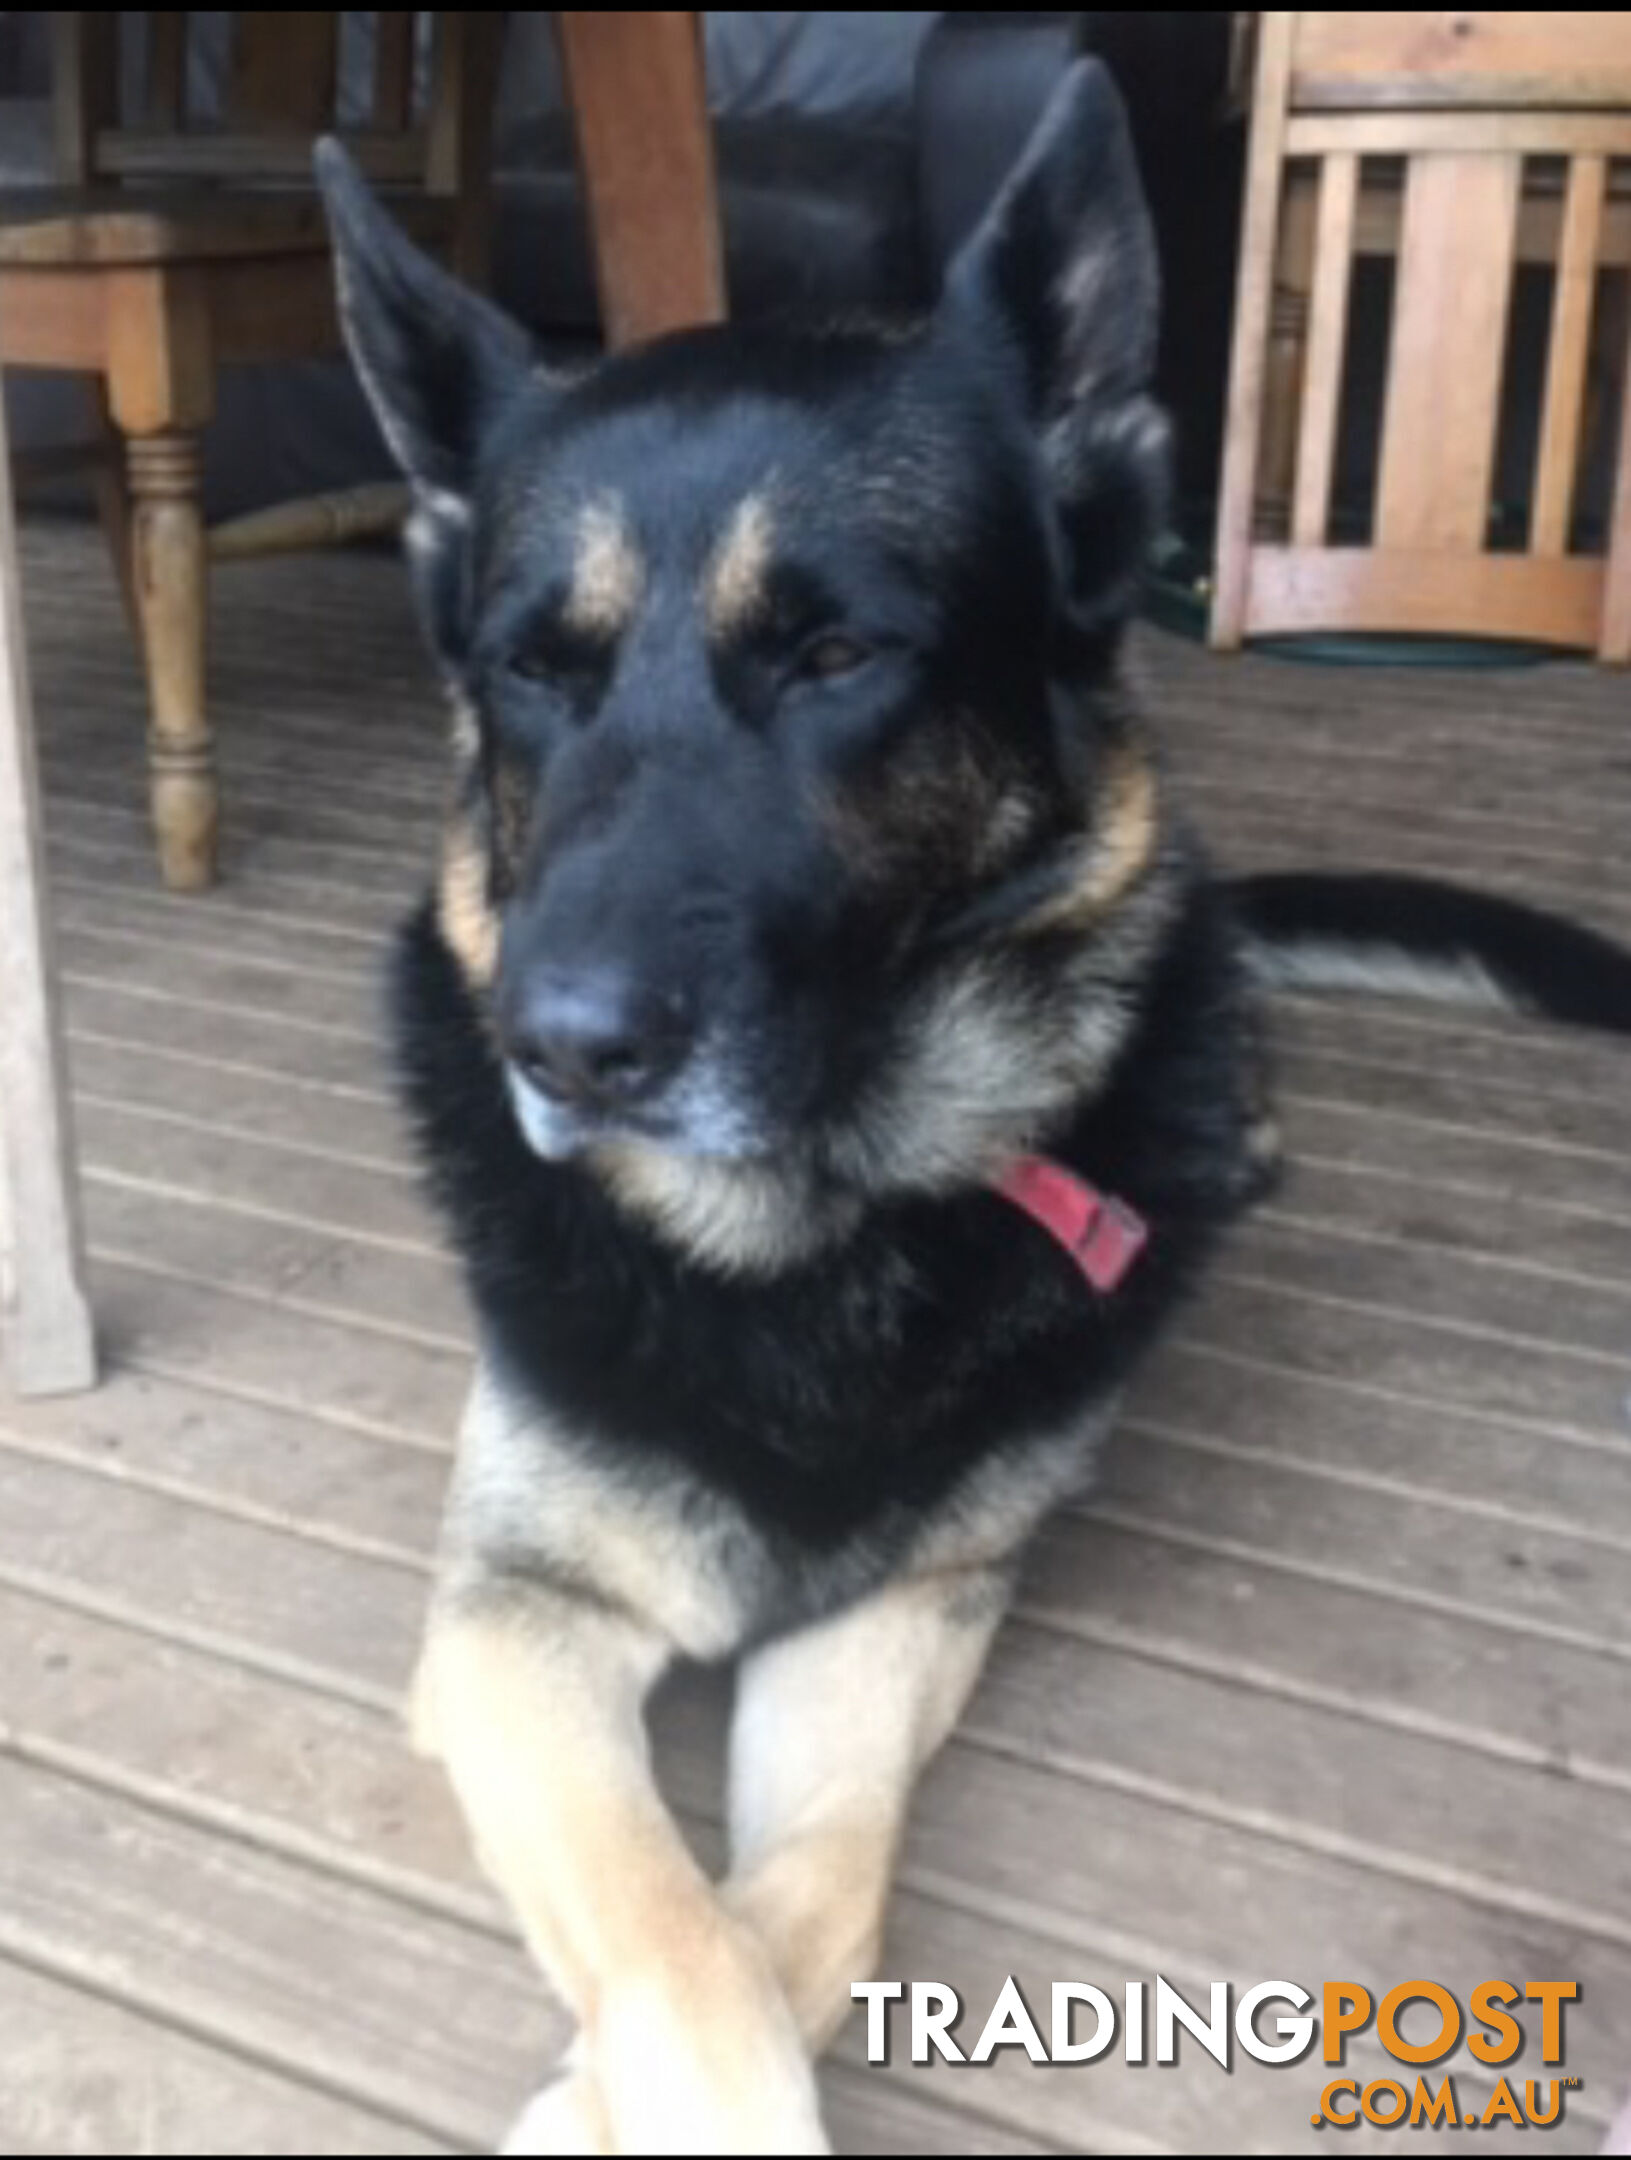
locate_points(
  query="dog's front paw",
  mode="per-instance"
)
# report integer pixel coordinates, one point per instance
(735, 2079)
(565, 2116)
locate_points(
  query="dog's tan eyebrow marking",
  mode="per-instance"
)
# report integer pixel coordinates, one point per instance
(608, 575)
(735, 584)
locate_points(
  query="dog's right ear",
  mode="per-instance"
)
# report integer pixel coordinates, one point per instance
(437, 361)
(1060, 283)
(1061, 273)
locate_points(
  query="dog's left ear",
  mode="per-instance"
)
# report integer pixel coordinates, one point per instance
(1060, 279)
(437, 361)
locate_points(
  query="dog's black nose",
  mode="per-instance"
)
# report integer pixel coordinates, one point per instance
(596, 1041)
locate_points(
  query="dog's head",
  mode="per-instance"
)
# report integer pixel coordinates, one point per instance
(798, 834)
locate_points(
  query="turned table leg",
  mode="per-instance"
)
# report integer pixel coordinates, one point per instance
(161, 392)
(171, 572)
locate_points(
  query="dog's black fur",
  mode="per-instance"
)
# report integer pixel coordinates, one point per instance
(784, 820)
(864, 1379)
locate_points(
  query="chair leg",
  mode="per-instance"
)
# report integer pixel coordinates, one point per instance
(171, 569)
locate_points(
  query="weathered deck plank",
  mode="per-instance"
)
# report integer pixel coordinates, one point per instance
(85, 2075)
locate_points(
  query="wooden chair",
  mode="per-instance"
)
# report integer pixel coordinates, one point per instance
(1458, 146)
(170, 249)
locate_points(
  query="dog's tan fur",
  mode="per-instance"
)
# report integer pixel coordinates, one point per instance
(464, 906)
(1122, 847)
(735, 583)
(533, 1700)
(738, 1218)
(565, 1589)
(832, 1726)
(608, 575)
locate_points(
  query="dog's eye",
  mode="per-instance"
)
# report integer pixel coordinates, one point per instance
(830, 656)
(556, 660)
(544, 664)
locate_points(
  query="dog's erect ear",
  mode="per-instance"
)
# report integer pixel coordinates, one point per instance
(436, 360)
(1061, 280)
(1063, 265)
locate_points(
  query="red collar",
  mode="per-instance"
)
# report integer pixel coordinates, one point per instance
(1102, 1234)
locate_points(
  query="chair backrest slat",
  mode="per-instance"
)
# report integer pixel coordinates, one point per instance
(283, 72)
(394, 48)
(167, 69)
(1327, 347)
(1449, 337)
(1574, 293)
(85, 87)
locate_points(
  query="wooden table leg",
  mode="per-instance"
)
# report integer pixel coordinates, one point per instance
(161, 387)
(639, 101)
(44, 1321)
(172, 594)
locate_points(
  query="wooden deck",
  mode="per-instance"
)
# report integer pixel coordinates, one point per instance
(1331, 1682)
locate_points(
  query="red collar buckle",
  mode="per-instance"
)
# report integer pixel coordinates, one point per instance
(1102, 1234)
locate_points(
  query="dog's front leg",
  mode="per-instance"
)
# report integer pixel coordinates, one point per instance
(832, 1726)
(534, 1699)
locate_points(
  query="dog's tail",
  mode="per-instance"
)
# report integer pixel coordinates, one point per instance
(1416, 937)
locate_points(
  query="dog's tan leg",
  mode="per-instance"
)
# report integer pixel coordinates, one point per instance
(832, 1727)
(533, 1698)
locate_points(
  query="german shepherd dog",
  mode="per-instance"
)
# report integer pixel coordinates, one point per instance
(833, 1060)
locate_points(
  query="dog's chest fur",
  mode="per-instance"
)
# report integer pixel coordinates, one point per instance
(841, 1405)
